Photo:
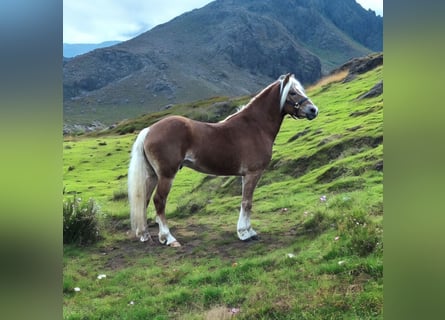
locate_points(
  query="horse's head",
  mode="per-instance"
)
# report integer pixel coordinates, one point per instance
(293, 99)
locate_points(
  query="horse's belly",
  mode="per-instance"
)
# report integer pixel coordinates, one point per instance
(210, 165)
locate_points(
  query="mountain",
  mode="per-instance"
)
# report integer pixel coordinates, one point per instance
(71, 50)
(227, 48)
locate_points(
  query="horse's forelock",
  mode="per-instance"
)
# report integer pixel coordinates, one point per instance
(285, 91)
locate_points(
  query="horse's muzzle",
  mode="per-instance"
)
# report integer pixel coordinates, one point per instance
(311, 112)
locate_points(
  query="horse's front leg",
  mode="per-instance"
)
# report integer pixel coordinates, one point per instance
(244, 229)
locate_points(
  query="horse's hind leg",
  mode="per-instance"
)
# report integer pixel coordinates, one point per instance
(244, 229)
(150, 185)
(160, 200)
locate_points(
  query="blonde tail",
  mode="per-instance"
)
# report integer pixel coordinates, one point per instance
(137, 193)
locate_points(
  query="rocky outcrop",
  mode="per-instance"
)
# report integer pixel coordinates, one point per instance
(360, 65)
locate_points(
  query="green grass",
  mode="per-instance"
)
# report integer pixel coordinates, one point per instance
(315, 259)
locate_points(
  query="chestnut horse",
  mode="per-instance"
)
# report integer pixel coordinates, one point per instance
(240, 145)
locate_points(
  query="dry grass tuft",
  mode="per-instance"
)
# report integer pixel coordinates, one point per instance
(336, 77)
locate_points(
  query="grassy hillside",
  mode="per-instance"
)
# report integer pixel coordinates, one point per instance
(318, 210)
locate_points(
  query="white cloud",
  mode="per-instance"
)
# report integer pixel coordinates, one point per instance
(87, 21)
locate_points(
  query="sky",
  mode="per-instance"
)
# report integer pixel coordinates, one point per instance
(87, 21)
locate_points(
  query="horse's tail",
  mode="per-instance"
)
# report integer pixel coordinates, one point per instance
(137, 177)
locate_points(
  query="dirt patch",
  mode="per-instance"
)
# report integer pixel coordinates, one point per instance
(196, 244)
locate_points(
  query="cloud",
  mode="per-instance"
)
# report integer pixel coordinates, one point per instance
(87, 21)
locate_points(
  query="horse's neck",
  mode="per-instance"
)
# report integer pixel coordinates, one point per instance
(265, 111)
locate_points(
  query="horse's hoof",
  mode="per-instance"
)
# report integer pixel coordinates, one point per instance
(145, 237)
(247, 235)
(252, 238)
(175, 244)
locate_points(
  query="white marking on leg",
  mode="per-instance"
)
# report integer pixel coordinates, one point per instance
(244, 229)
(165, 237)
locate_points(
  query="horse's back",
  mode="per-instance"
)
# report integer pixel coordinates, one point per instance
(171, 129)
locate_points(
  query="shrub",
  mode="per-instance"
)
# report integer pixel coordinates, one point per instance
(80, 221)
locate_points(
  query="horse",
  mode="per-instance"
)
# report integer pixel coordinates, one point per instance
(240, 145)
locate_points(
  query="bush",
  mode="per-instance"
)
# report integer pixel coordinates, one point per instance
(80, 221)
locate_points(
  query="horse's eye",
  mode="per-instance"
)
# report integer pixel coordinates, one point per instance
(292, 93)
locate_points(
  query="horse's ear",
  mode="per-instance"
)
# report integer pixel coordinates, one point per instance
(285, 78)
